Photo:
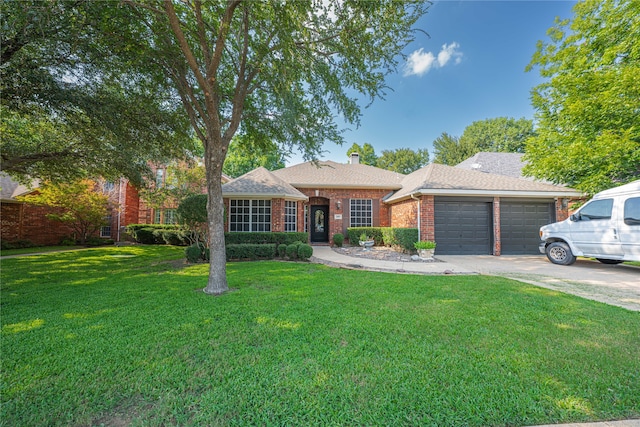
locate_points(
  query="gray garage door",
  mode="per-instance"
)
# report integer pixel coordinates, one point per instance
(463, 227)
(520, 223)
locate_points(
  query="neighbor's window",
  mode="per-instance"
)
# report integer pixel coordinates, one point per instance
(105, 231)
(597, 209)
(157, 216)
(159, 178)
(361, 213)
(108, 186)
(290, 215)
(632, 211)
(250, 215)
(169, 216)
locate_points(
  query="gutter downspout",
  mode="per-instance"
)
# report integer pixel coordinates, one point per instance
(413, 196)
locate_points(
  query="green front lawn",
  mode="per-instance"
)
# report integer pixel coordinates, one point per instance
(120, 336)
(38, 249)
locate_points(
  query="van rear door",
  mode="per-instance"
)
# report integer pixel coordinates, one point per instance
(629, 230)
(594, 230)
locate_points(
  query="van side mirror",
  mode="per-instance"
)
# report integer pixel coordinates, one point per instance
(574, 217)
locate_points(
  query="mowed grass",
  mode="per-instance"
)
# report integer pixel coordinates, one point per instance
(123, 336)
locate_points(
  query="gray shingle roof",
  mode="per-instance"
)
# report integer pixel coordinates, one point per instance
(448, 180)
(328, 174)
(508, 164)
(10, 189)
(261, 183)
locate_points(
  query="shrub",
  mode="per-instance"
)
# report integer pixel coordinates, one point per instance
(194, 253)
(304, 251)
(97, 241)
(282, 250)
(338, 239)
(250, 251)
(278, 238)
(292, 251)
(406, 237)
(173, 237)
(67, 241)
(145, 236)
(18, 244)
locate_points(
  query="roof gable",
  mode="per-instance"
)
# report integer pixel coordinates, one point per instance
(261, 183)
(330, 174)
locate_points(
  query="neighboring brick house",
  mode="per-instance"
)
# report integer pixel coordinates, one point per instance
(465, 211)
(23, 221)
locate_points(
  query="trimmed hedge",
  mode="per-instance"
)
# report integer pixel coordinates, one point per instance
(305, 251)
(251, 251)
(158, 234)
(338, 239)
(265, 237)
(387, 236)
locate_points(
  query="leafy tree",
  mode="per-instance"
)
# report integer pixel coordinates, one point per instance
(65, 99)
(451, 150)
(182, 179)
(245, 155)
(367, 153)
(272, 70)
(587, 112)
(403, 160)
(499, 134)
(192, 213)
(76, 203)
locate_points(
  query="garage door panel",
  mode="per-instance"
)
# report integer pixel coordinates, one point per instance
(462, 227)
(520, 223)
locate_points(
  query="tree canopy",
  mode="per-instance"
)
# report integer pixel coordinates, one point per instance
(403, 160)
(245, 154)
(69, 107)
(275, 71)
(588, 109)
(367, 153)
(499, 134)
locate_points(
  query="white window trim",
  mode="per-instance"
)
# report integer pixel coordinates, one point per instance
(351, 210)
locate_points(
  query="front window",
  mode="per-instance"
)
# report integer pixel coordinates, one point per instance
(290, 216)
(159, 178)
(157, 216)
(250, 215)
(597, 209)
(361, 213)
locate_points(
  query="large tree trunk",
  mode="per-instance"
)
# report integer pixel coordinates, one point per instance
(213, 160)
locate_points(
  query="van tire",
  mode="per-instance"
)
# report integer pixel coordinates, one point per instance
(609, 261)
(560, 253)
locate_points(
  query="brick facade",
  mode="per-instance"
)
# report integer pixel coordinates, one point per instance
(21, 221)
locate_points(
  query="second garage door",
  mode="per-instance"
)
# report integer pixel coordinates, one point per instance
(462, 227)
(520, 223)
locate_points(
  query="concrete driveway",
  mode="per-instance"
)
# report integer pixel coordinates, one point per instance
(612, 284)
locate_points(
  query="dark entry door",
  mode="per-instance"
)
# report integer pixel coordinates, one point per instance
(319, 223)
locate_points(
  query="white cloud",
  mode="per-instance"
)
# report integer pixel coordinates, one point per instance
(420, 62)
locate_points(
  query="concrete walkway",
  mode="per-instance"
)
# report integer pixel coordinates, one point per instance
(325, 255)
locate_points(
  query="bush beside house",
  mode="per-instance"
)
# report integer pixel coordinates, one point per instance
(403, 238)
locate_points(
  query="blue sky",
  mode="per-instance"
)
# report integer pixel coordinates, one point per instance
(472, 67)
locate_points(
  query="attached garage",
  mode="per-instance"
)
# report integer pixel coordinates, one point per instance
(520, 222)
(463, 227)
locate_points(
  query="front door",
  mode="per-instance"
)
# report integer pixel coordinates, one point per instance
(319, 223)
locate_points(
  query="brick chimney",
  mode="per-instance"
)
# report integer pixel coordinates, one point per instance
(355, 159)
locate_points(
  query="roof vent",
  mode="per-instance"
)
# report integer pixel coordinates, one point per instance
(355, 159)
(476, 166)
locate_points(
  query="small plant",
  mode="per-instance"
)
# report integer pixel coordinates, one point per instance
(338, 239)
(425, 244)
(364, 237)
(194, 253)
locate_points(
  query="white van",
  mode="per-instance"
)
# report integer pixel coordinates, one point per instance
(606, 228)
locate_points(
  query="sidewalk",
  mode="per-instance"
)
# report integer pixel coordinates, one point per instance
(325, 255)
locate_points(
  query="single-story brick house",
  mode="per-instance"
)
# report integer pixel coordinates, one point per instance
(464, 211)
